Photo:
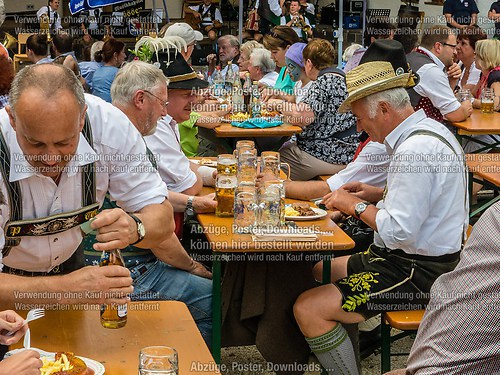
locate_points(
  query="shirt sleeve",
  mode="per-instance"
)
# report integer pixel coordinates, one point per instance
(436, 87)
(474, 9)
(448, 7)
(370, 167)
(274, 5)
(218, 15)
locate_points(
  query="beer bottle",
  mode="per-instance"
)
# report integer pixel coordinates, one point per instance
(113, 316)
(247, 92)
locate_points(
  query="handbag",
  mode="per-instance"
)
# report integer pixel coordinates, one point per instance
(252, 21)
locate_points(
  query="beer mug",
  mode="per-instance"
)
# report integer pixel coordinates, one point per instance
(243, 144)
(160, 360)
(271, 202)
(226, 164)
(270, 163)
(464, 94)
(225, 185)
(245, 208)
(487, 100)
(247, 165)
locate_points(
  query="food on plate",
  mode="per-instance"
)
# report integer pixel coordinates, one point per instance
(303, 209)
(239, 116)
(289, 211)
(265, 113)
(65, 363)
(207, 162)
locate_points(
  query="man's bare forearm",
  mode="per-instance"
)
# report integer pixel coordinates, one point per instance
(306, 190)
(158, 219)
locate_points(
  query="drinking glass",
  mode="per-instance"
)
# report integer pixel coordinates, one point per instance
(271, 203)
(464, 94)
(243, 144)
(487, 101)
(226, 163)
(245, 208)
(158, 360)
(247, 165)
(225, 185)
(270, 162)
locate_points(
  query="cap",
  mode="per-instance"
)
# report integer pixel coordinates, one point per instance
(185, 31)
(294, 53)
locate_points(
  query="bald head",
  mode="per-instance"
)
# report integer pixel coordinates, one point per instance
(50, 80)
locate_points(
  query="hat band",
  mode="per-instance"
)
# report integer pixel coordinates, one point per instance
(183, 77)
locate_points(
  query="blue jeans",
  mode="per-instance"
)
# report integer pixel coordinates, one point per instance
(161, 282)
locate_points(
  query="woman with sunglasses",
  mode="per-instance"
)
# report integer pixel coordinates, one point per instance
(278, 42)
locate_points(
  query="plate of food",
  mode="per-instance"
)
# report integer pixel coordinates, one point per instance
(303, 211)
(62, 363)
(206, 162)
(236, 117)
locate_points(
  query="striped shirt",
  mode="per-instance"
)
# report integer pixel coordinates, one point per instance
(460, 331)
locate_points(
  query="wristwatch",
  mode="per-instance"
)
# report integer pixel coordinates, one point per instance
(359, 208)
(141, 230)
(189, 207)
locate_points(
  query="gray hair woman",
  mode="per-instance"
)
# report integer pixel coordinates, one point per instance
(262, 67)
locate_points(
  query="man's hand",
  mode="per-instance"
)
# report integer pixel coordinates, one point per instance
(204, 203)
(199, 269)
(211, 59)
(98, 285)
(10, 321)
(454, 71)
(263, 177)
(341, 200)
(196, 14)
(364, 191)
(116, 229)
(27, 362)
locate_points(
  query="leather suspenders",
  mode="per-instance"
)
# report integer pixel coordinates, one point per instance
(16, 228)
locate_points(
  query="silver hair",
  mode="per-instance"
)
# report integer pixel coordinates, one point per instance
(50, 79)
(133, 76)
(233, 41)
(96, 46)
(397, 98)
(261, 58)
(2, 12)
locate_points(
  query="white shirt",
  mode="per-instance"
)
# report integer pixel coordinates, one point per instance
(132, 182)
(424, 211)
(434, 85)
(370, 167)
(474, 75)
(269, 79)
(173, 165)
(274, 6)
(207, 20)
(52, 13)
(301, 92)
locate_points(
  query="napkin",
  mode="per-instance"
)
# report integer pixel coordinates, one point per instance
(257, 123)
(285, 235)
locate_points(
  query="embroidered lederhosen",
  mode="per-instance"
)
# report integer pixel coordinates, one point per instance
(16, 227)
(416, 60)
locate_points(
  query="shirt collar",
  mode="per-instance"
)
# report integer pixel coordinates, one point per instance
(433, 57)
(395, 138)
(20, 168)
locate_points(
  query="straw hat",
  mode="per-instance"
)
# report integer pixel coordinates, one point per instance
(370, 79)
(373, 77)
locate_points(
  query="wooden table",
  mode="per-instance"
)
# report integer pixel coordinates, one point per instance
(224, 241)
(226, 130)
(485, 170)
(479, 124)
(166, 323)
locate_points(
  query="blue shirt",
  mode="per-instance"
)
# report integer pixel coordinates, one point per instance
(87, 69)
(284, 82)
(102, 80)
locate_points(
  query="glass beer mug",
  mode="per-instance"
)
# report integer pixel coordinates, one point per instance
(247, 165)
(245, 208)
(226, 164)
(225, 185)
(487, 100)
(271, 202)
(270, 163)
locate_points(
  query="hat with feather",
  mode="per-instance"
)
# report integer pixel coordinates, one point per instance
(164, 53)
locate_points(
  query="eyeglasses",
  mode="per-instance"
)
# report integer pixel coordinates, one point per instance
(164, 103)
(449, 45)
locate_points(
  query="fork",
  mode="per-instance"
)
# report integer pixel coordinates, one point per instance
(32, 315)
